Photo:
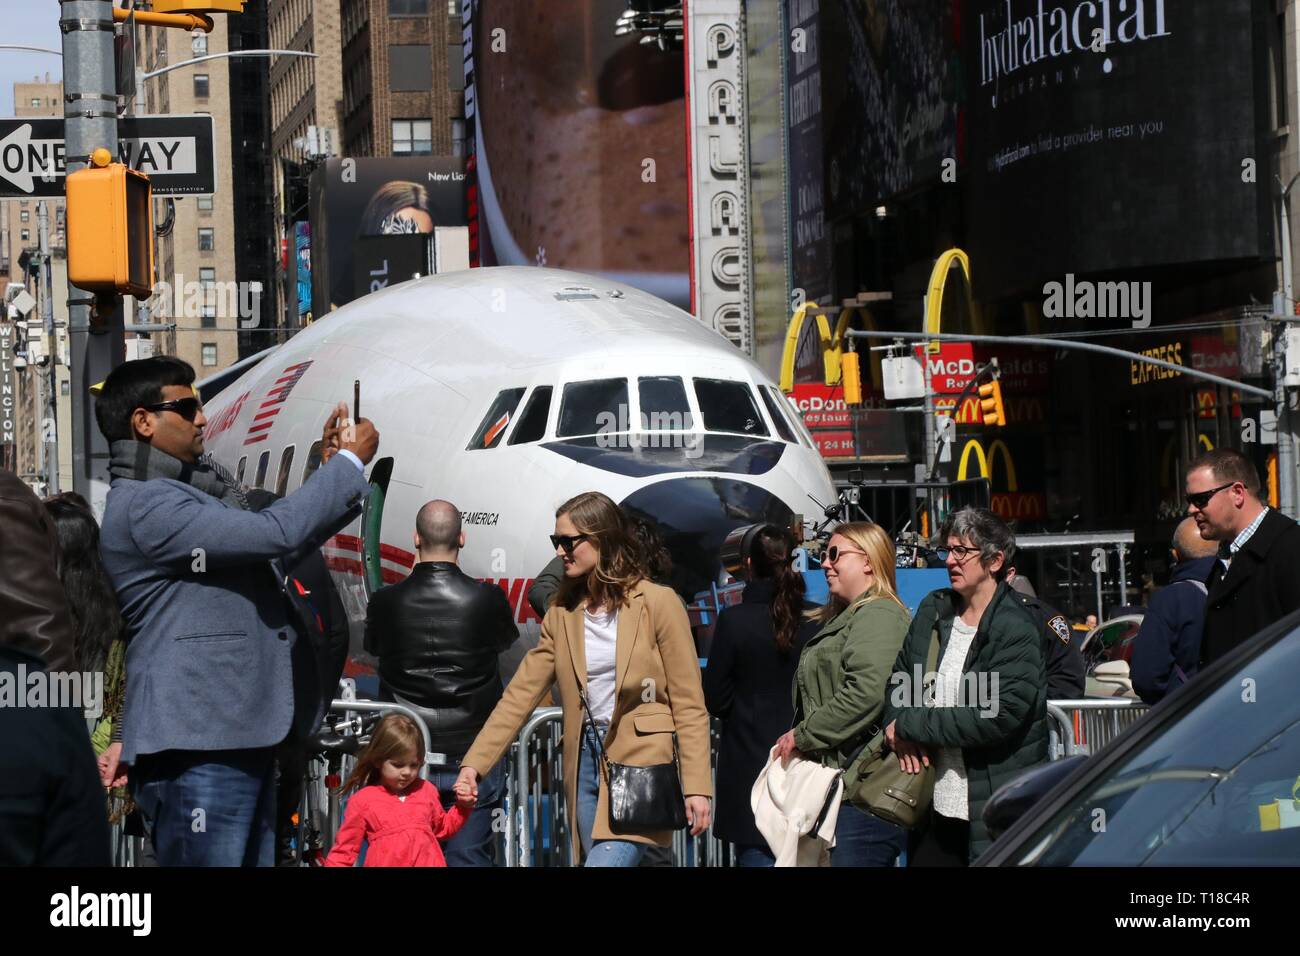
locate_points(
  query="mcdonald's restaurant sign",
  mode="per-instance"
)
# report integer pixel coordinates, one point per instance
(1012, 504)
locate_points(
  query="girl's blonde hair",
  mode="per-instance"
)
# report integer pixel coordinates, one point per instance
(874, 542)
(396, 736)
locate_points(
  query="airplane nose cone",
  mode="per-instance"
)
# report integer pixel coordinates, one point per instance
(694, 515)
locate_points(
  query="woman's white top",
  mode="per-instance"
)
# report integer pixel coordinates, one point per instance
(950, 793)
(601, 642)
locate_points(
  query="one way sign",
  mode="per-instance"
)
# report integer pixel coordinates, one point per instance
(175, 152)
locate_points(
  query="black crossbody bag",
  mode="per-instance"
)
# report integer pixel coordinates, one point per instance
(640, 798)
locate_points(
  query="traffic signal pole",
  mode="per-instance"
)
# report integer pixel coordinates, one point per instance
(90, 122)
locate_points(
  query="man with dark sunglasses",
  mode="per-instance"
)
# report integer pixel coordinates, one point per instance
(1256, 579)
(211, 631)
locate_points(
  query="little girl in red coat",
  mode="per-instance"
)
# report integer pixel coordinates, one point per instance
(395, 811)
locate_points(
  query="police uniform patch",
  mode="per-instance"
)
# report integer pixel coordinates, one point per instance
(1061, 627)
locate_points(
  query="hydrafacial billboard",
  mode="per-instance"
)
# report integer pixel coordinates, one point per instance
(1110, 134)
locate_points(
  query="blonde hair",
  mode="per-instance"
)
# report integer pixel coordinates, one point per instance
(396, 737)
(619, 561)
(874, 542)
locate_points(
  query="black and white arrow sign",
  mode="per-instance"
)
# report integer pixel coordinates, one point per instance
(175, 152)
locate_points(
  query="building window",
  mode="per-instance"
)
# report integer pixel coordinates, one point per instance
(36, 102)
(199, 43)
(201, 86)
(455, 62)
(209, 354)
(24, 215)
(458, 137)
(408, 8)
(410, 67)
(209, 318)
(207, 240)
(414, 137)
(205, 203)
(26, 235)
(207, 277)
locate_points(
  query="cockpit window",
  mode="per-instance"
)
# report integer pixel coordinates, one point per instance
(779, 420)
(497, 418)
(594, 407)
(728, 407)
(663, 405)
(532, 423)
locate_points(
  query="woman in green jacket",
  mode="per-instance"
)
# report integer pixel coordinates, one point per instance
(839, 688)
(986, 720)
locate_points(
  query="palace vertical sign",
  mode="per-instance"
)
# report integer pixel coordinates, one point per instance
(716, 106)
(8, 390)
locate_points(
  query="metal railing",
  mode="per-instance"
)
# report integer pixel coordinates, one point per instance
(1085, 726)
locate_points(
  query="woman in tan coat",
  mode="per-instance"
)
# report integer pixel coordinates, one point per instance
(626, 643)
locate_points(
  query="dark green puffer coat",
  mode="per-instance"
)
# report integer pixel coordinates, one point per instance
(995, 748)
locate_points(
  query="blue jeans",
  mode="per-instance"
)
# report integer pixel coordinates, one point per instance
(472, 845)
(603, 852)
(755, 856)
(208, 807)
(862, 839)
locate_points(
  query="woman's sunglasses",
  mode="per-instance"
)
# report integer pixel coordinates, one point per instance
(186, 408)
(567, 541)
(834, 552)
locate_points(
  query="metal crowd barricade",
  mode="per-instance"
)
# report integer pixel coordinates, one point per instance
(1085, 726)
(537, 832)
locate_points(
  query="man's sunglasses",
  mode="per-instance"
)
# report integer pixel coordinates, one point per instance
(834, 552)
(186, 408)
(567, 541)
(1200, 499)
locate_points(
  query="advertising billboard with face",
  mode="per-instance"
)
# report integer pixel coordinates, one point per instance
(579, 157)
(1106, 134)
(391, 196)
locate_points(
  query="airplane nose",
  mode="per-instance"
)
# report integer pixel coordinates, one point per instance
(694, 515)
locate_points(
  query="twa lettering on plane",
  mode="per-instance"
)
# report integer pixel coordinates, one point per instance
(437, 378)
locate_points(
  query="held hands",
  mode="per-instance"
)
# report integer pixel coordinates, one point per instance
(466, 788)
(912, 758)
(109, 767)
(785, 748)
(698, 814)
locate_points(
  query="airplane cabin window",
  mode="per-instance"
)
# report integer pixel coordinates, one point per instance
(587, 406)
(313, 461)
(728, 407)
(499, 415)
(239, 471)
(532, 423)
(663, 404)
(779, 420)
(263, 460)
(282, 476)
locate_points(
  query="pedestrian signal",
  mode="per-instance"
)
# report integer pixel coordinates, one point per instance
(110, 228)
(852, 378)
(991, 409)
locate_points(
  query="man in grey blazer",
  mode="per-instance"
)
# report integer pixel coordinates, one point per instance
(210, 681)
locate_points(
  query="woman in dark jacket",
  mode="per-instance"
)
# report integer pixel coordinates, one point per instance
(987, 718)
(752, 661)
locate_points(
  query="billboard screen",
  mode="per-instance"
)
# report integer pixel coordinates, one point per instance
(579, 144)
(1107, 135)
(391, 196)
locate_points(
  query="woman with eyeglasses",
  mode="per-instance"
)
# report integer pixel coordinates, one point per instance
(840, 684)
(619, 647)
(986, 720)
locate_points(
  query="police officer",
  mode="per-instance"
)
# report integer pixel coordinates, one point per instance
(1065, 671)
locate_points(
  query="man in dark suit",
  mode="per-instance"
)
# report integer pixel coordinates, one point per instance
(1256, 579)
(200, 580)
(437, 636)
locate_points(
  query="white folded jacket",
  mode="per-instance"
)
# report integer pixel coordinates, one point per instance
(795, 808)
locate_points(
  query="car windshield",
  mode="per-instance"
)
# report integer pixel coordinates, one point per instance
(1222, 784)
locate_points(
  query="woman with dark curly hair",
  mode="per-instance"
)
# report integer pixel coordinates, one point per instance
(619, 647)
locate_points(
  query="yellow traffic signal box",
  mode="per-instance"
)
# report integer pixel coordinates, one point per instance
(852, 377)
(198, 6)
(110, 229)
(991, 409)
